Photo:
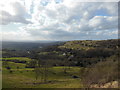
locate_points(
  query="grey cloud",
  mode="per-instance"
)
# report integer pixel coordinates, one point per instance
(7, 18)
(103, 23)
(19, 17)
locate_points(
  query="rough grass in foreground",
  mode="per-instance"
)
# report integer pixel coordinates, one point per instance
(25, 78)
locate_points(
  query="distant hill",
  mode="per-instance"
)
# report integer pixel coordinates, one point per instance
(27, 45)
(90, 44)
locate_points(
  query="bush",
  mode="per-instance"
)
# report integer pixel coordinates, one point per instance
(101, 73)
(8, 67)
(10, 71)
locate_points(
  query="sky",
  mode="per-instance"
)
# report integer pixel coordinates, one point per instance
(58, 20)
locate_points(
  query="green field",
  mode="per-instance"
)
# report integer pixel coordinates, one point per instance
(25, 77)
(16, 58)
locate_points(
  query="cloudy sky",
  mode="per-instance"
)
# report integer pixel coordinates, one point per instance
(31, 20)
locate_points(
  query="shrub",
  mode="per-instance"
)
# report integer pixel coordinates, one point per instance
(101, 73)
(8, 68)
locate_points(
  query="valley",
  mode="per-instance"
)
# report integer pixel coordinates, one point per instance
(69, 64)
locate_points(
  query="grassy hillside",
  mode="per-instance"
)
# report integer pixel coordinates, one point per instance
(25, 78)
(90, 44)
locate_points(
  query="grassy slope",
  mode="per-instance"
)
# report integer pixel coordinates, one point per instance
(26, 78)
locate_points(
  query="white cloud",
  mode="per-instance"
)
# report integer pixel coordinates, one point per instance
(103, 22)
(13, 12)
(7, 18)
(64, 20)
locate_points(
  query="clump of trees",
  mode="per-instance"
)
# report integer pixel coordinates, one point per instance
(101, 73)
(41, 70)
(40, 66)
